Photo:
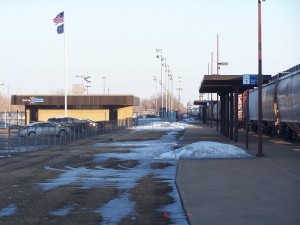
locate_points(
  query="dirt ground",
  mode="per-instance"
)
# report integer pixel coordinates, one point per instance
(20, 176)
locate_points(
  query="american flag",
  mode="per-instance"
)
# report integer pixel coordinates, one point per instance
(59, 18)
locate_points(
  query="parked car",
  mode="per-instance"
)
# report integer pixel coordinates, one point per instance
(63, 120)
(74, 124)
(44, 128)
(89, 123)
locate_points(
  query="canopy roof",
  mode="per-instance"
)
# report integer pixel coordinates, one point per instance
(226, 83)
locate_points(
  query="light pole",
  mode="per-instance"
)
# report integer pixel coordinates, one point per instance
(8, 103)
(179, 89)
(169, 95)
(211, 98)
(207, 103)
(166, 87)
(219, 63)
(172, 79)
(8, 100)
(86, 78)
(155, 80)
(160, 56)
(218, 67)
(104, 84)
(259, 85)
(2, 84)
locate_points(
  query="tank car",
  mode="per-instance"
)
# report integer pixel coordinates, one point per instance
(280, 105)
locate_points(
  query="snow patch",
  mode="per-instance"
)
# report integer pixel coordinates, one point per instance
(116, 209)
(9, 210)
(62, 212)
(176, 126)
(206, 149)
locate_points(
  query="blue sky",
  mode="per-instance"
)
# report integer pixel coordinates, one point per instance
(117, 39)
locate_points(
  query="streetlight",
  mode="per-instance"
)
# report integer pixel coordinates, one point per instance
(155, 80)
(166, 87)
(2, 84)
(8, 103)
(211, 98)
(179, 89)
(8, 98)
(259, 85)
(160, 56)
(171, 95)
(86, 78)
(218, 67)
(219, 63)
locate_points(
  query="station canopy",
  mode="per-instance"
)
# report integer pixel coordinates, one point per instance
(226, 83)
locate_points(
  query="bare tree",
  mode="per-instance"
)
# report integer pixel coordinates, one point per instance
(147, 105)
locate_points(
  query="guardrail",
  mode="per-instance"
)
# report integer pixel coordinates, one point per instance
(15, 140)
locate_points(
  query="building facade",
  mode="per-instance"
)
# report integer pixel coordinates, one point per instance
(94, 107)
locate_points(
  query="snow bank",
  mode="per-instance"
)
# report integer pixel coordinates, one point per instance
(177, 126)
(206, 149)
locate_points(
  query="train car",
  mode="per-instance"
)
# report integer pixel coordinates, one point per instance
(280, 105)
(242, 98)
(288, 100)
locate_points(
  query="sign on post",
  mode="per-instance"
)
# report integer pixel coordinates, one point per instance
(250, 79)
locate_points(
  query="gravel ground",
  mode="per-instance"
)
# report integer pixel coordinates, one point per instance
(24, 201)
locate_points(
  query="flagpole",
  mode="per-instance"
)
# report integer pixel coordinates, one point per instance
(65, 65)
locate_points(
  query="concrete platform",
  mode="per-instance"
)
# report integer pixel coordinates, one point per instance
(263, 190)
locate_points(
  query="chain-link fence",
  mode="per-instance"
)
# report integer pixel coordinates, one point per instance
(8, 119)
(15, 140)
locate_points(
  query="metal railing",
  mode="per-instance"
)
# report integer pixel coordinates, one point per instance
(15, 140)
(8, 119)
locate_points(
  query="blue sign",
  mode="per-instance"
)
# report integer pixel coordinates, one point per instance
(250, 79)
(253, 79)
(33, 100)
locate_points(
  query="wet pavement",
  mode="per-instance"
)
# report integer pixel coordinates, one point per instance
(262, 190)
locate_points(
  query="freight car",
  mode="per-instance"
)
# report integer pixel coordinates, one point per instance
(280, 105)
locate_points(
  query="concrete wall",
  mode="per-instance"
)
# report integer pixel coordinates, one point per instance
(27, 116)
(126, 112)
(92, 114)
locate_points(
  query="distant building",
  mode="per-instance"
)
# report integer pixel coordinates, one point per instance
(78, 89)
(94, 107)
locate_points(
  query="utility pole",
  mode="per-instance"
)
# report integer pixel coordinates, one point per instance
(259, 85)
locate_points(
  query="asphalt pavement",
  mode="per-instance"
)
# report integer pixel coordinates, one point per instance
(257, 191)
